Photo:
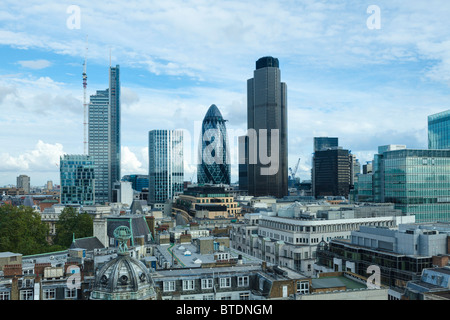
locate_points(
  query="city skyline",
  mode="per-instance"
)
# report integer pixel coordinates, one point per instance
(368, 87)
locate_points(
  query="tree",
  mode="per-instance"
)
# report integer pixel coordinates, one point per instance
(22, 231)
(70, 224)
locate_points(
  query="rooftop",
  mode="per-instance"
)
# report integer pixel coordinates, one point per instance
(337, 280)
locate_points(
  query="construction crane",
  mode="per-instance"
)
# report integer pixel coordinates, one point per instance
(85, 123)
(293, 172)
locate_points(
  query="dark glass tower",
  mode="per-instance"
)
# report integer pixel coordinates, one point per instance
(321, 143)
(214, 165)
(267, 121)
(332, 172)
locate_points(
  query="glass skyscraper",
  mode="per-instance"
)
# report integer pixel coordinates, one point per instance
(267, 119)
(104, 136)
(77, 180)
(416, 181)
(439, 130)
(321, 143)
(214, 163)
(332, 172)
(138, 181)
(166, 165)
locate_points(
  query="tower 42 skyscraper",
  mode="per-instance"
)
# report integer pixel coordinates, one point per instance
(267, 131)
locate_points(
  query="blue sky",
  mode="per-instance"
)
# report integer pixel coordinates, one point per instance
(369, 87)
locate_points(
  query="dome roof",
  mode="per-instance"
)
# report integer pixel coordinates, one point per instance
(213, 114)
(123, 278)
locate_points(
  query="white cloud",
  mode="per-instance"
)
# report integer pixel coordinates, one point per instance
(43, 158)
(35, 64)
(130, 163)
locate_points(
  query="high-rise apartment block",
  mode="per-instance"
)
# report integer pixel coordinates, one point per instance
(166, 171)
(267, 130)
(104, 136)
(77, 180)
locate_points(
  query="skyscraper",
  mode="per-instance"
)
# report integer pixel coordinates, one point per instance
(104, 136)
(214, 163)
(332, 172)
(439, 130)
(243, 163)
(77, 180)
(267, 130)
(321, 143)
(23, 182)
(166, 171)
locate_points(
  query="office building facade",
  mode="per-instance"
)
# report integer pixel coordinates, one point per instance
(77, 180)
(104, 136)
(439, 130)
(321, 143)
(416, 181)
(332, 172)
(23, 182)
(166, 171)
(138, 181)
(267, 124)
(214, 161)
(243, 163)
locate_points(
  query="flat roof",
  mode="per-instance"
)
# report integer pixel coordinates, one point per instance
(176, 274)
(337, 281)
(195, 259)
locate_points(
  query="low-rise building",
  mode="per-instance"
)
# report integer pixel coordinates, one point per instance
(290, 236)
(399, 255)
(434, 284)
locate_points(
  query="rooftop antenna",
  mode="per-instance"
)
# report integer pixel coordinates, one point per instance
(84, 98)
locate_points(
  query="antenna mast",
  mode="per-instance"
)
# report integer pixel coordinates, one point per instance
(84, 99)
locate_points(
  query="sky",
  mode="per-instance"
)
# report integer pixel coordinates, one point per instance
(367, 72)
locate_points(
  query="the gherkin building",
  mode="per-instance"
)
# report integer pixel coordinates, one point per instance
(214, 160)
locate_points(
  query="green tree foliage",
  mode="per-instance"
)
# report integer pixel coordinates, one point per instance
(22, 231)
(71, 223)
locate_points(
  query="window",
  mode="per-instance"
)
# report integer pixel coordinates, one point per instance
(208, 297)
(244, 296)
(26, 294)
(4, 295)
(207, 283)
(168, 286)
(70, 293)
(302, 287)
(188, 285)
(243, 281)
(225, 282)
(49, 294)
